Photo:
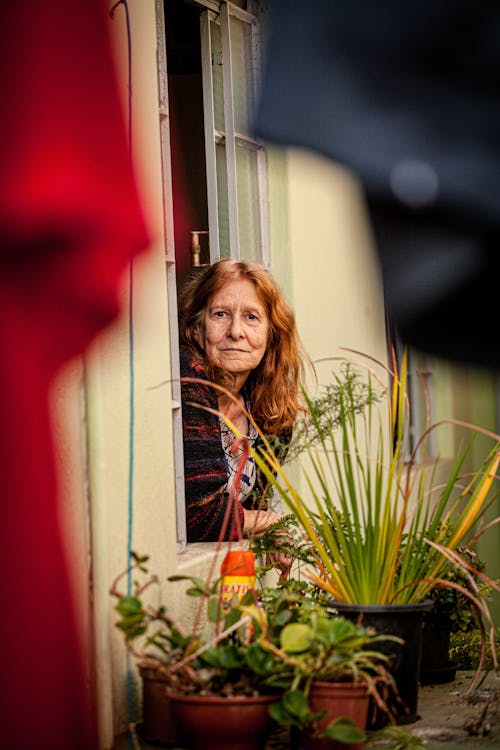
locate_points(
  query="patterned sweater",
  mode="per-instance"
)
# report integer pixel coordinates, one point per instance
(205, 471)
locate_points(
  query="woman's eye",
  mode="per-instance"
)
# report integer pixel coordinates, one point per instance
(251, 316)
(218, 314)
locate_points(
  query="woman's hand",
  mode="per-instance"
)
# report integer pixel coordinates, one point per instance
(282, 562)
(256, 522)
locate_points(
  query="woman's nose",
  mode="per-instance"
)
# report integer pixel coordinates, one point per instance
(235, 328)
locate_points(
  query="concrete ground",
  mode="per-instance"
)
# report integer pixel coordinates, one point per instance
(453, 720)
(449, 720)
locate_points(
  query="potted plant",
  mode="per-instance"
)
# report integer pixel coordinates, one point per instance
(272, 647)
(467, 650)
(331, 668)
(225, 680)
(452, 611)
(382, 530)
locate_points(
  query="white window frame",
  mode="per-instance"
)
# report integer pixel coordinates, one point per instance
(420, 374)
(232, 139)
(219, 12)
(168, 219)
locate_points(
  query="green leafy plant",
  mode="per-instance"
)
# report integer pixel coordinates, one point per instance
(395, 738)
(285, 537)
(468, 650)
(275, 643)
(458, 602)
(324, 414)
(222, 665)
(318, 647)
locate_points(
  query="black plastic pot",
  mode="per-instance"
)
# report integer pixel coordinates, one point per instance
(436, 667)
(404, 621)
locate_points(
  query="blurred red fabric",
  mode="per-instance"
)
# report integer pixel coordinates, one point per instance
(70, 222)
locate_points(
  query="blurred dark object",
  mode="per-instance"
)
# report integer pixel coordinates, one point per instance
(406, 94)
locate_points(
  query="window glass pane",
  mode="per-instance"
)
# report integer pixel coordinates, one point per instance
(217, 76)
(220, 155)
(241, 58)
(248, 205)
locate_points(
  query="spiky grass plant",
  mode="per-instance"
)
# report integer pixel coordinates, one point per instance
(380, 527)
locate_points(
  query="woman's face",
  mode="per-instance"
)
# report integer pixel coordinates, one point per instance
(235, 329)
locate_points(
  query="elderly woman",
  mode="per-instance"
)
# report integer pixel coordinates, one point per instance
(238, 332)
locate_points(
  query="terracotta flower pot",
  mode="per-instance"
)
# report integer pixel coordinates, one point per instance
(158, 723)
(214, 723)
(339, 699)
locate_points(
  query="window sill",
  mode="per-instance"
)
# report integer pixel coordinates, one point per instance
(198, 552)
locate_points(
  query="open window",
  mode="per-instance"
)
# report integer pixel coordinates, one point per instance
(214, 172)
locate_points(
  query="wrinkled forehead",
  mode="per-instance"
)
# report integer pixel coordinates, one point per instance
(238, 291)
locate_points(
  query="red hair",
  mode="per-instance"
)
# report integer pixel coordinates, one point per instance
(273, 387)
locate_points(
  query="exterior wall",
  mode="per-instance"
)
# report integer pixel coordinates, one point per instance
(68, 421)
(108, 383)
(337, 290)
(474, 393)
(470, 394)
(322, 255)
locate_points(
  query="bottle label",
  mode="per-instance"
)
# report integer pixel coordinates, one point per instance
(236, 586)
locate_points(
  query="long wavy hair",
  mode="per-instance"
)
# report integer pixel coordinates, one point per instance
(273, 386)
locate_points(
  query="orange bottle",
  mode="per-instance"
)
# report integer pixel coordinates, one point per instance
(238, 571)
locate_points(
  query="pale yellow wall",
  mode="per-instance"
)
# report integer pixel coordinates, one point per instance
(484, 386)
(474, 397)
(469, 394)
(68, 424)
(337, 292)
(322, 254)
(279, 223)
(91, 399)
(322, 251)
(108, 394)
